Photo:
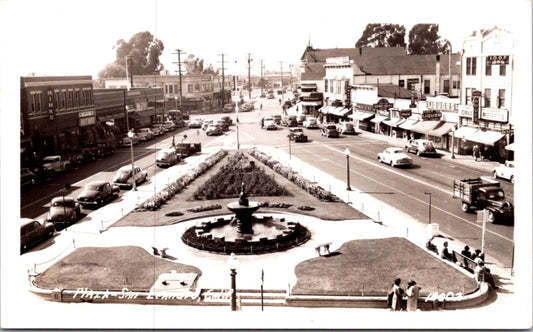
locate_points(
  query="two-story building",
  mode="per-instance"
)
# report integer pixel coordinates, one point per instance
(485, 110)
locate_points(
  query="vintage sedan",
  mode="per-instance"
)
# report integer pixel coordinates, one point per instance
(167, 157)
(126, 141)
(420, 147)
(346, 128)
(27, 177)
(297, 134)
(395, 157)
(329, 130)
(227, 119)
(196, 123)
(124, 177)
(310, 123)
(33, 232)
(206, 124)
(213, 129)
(268, 123)
(64, 210)
(505, 171)
(98, 193)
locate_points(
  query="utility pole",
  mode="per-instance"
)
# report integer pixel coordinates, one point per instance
(179, 53)
(261, 76)
(281, 87)
(249, 79)
(223, 93)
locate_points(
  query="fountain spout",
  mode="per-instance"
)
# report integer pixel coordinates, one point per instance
(243, 199)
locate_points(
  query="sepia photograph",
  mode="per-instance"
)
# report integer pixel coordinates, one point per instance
(266, 164)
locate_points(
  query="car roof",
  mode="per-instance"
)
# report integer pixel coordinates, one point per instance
(62, 198)
(26, 221)
(395, 149)
(97, 183)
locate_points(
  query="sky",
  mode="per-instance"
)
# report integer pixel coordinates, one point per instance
(60, 37)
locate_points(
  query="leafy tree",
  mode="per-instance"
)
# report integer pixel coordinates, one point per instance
(382, 35)
(425, 39)
(210, 70)
(144, 52)
(194, 66)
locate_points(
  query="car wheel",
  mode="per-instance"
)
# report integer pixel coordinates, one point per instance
(76, 215)
(491, 216)
(465, 207)
(512, 179)
(418, 152)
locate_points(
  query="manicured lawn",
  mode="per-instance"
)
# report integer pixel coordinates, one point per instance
(373, 265)
(110, 268)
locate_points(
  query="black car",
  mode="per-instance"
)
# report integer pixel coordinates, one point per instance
(227, 119)
(289, 121)
(33, 232)
(98, 193)
(64, 210)
(103, 150)
(27, 177)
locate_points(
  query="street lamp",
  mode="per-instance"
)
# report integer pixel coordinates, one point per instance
(429, 221)
(347, 153)
(130, 135)
(232, 264)
(453, 143)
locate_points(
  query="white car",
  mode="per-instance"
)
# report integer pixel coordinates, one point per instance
(196, 123)
(395, 157)
(505, 171)
(310, 122)
(145, 134)
(125, 177)
(269, 123)
(206, 124)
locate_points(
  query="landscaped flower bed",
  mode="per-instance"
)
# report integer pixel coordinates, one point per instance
(154, 202)
(294, 177)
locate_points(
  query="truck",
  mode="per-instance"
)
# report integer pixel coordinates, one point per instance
(483, 193)
(185, 149)
(55, 164)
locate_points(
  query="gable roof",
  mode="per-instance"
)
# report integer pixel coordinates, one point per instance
(319, 55)
(408, 64)
(313, 71)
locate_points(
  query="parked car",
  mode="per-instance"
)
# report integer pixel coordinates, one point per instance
(98, 193)
(169, 125)
(33, 232)
(310, 122)
(145, 134)
(55, 164)
(126, 141)
(124, 177)
(268, 123)
(271, 96)
(346, 128)
(263, 95)
(395, 157)
(206, 124)
(300, 119)
(227, 119)
(158, 130)
(329, 130)
(103, 150)
(167, 157)
(228, 108)
(195, 123)
(277, 118)
(297, 134)
(289, 121)
(222, 124)
(505, 171)
(27, 177)
(64, 210)
(213, 129)
(179, 123)
(420, 146)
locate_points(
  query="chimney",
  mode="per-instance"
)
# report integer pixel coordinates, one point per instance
(437, 74)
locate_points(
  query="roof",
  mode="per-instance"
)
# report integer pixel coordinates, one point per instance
(393, 91)
(408, 64)
(313, 72)
(319, 55)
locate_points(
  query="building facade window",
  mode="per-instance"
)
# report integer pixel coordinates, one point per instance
(446, 85)
(401, 83)
(456, 84)
(501, 98)
(427, 87)
(503, 70)
(488, 68)
(326, 85)
(468, 96)
(486, 98)
(339, 87)
(471, 63)
(189, 88)
(197, 87)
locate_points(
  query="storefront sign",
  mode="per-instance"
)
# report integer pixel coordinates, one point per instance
(384, 113)
(466, 111)
(383, 104)
(443, 105)
(364, 107)
(405, 113)
(85, 114)
(495, 114)
(87, 121)
(497, 60)
(431, 115)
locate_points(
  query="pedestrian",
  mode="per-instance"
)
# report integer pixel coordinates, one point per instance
(475, 152)
(412, 295)
(261, 107)
(444, 252)
(397, 294)
(466, 252)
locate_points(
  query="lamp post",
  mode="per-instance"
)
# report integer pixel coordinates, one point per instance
(232, 264)
(347, 153)
(453, 143)
(130, 135)
(429, 221)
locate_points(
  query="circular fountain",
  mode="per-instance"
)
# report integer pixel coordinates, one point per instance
(244, 233)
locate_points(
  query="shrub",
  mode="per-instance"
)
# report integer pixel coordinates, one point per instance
(206, 208)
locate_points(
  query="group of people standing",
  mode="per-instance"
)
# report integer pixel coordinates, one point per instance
(396, 299)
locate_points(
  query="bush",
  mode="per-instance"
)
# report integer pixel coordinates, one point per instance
(206, 208)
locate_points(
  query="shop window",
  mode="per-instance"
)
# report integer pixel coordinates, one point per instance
(488, 68)
(401, 83)
(486, 98)
(503, 70)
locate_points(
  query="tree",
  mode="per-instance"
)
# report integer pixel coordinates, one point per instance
(210, 70)
(425, 39)
(144, 52)
(382, 35)
(194, 66)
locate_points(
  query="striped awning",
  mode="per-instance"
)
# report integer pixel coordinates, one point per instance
(379, 118)
(424, 126)
(361, 115)
(394, 122)
(408, 124)
(442, 129)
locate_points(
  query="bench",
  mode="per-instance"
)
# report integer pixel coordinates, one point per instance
(465, 262)
(323, 249)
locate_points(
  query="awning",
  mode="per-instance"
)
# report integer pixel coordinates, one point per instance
(379, 118)
(309, 103)
(424, 126)
(465, 133)
(340, 111)
(361, 115)
(408, 124)
(487, 137)
(394, 122)
(325, 109)
(510, 147)
(442, 129)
